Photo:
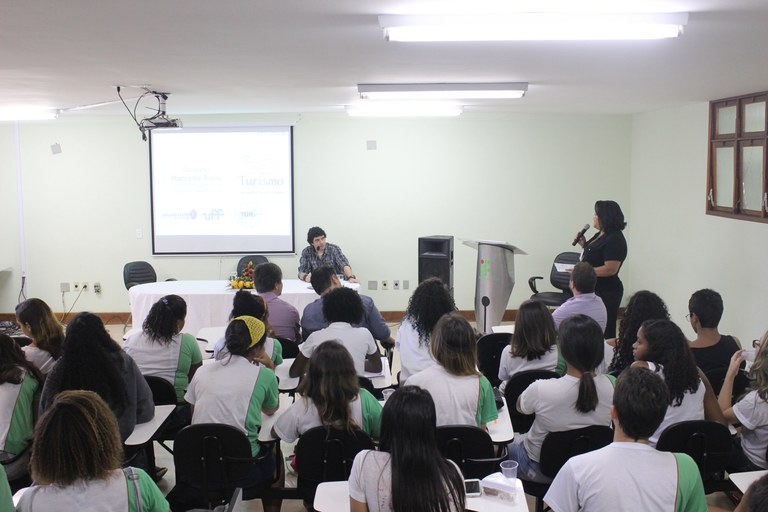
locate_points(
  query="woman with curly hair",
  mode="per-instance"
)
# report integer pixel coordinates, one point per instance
(661, 347)
(20, 384)
(642, 306)
(45, 332)
(162, 350)
(751, 411)
(429, 302)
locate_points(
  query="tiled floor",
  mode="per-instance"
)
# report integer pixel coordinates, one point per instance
(164, 459)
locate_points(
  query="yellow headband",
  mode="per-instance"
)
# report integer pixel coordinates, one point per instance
(255, 326)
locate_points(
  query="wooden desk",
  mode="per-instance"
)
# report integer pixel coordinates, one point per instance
(334, 496)
(744, 480)
(144, 432)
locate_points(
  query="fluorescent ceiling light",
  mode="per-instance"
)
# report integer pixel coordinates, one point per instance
(533, 26)
(443, 91)
(27, 113)
(404, 109)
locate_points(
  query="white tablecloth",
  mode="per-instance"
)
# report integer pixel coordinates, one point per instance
(208, 302)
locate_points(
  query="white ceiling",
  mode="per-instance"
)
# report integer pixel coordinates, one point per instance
(239, 56)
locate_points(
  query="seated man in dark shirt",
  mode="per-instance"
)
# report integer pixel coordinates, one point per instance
(323, 280)
(321, 253)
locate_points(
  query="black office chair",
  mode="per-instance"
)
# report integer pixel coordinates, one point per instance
(164, 393)
(489, 349)
(558, 447)
(211, 461)
(325, 455)
(709, 445)
(138, 272)
(24, 480)
(559, 280)
(471, 448)
(521, 423)
(255, 258)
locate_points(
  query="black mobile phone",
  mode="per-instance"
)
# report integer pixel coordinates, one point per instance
(472, 487)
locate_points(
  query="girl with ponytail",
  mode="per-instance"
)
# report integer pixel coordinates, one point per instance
(577, 399)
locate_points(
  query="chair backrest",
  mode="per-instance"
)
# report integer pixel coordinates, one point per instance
(707, 442)
(255, 258)
(489, 349)
(561, 280)
(138, 272)
(163, 392)
(470, 447)
(716, 377)
(211, 456)
(290, 348)
(521, 423)
(558, 447)
(325, 455)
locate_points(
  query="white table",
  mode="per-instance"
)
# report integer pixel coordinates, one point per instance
(267, 422)
(509, 328)
(210, 302)
(144, 432)
(334, 496)
(501, 430)
(744, 480)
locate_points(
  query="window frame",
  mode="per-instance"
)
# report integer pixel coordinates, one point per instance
(738, 139)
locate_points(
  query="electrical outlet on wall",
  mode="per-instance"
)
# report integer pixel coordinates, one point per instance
(396, 284)
(385, 285)
(97, 287)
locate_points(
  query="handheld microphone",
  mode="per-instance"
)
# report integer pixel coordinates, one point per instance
(581, 234)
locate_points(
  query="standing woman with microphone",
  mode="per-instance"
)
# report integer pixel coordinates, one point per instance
(606, 251)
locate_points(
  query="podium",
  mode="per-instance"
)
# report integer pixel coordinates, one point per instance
(494, 281)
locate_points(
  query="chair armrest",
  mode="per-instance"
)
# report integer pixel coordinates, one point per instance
(532, 283)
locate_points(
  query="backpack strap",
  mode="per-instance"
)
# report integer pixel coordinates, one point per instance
(133, 482)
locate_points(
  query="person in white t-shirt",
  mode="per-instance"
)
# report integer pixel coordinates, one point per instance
(533, 345)
(76, 462)
(407, 472)
(162, 350)
(429, 302)
(579, 398)
(462, 395)
(751, 411)
(342, 307)
(45, 332)
(661, 346)
(628, 474)
(329, 395)
(236, 390)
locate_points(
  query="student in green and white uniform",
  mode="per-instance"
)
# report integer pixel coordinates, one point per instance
(246, 303)
(161, 349)
(462, 395)
(6, 502)
(330, 395)
(236, 390)
(20, 384)
(629, 474)
(76, 459)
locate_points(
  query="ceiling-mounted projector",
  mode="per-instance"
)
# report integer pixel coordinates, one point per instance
(151, 123)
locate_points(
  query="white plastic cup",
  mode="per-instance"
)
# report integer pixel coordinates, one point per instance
(386, 393)
(749, 355)
(509, 469)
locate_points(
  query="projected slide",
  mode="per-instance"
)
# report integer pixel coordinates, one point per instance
(222, 190)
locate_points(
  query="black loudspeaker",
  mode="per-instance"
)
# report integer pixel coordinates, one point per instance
(436, 259)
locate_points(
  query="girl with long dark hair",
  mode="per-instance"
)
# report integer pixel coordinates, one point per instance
(20, 384)
(408, 473)
(642, 306)
(533, 345)
(161, 349)
(579, 398)
(662, 347)
(93, 361)
(429, 302)
(329, 395)
(45, 332)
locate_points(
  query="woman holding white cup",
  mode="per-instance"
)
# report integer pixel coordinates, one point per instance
(749, 449)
